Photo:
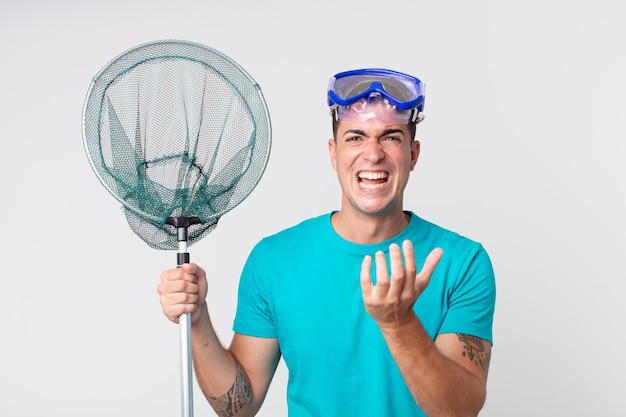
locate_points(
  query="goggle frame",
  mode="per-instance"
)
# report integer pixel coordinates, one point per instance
(390, 84)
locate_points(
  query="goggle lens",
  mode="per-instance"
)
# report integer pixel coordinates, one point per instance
(354, 85)
(375, 106)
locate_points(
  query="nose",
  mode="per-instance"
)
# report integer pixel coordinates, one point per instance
(373, 151)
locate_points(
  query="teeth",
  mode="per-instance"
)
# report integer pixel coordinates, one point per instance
(373, 186)
(372, 175)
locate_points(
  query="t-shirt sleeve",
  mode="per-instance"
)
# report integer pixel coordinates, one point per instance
(254, 316)
(472, 298)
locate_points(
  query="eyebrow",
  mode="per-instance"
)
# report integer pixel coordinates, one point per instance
(362, 132)
(390, 131)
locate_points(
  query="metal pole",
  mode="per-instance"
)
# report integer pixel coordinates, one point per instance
(186, 361)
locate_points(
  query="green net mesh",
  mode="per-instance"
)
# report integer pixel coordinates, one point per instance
(176, 129)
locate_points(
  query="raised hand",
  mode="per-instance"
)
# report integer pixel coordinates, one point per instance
(390, 302)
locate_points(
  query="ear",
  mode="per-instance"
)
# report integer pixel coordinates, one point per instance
(415, 153)
(332, 151)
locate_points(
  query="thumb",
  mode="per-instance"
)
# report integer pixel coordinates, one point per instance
(423, 277)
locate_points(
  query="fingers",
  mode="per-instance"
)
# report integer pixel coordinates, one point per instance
(180, 290)
(404, 278)
(392, 298)
(409, 258)
(382, 277)
(398, 273)
(386, 285)
(186, 272)
(366, 280)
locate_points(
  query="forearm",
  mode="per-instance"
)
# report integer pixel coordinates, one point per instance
(222, 379)
(440, 386)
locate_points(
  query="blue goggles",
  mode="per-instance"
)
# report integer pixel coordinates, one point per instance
(403, 91)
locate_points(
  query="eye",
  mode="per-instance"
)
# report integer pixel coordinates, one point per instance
(353, 138)
(392, 139)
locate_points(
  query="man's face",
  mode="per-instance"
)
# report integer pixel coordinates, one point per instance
(373, 159)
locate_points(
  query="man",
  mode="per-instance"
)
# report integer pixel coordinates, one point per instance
(363, 330)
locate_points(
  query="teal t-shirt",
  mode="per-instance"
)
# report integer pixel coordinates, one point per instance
(302, 286)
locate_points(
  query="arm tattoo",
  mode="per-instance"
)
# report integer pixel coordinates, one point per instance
(474, 350)
(237, 397)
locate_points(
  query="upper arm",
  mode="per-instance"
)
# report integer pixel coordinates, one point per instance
(259, 358)
(470, 352)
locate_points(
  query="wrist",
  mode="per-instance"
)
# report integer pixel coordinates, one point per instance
(405, 330)
(400, 324)
(200, 314)
(407, 335)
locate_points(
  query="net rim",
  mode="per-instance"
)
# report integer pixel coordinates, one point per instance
(97, 80)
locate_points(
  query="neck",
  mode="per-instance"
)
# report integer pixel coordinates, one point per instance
(365, 228)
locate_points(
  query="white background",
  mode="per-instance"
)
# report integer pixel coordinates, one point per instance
(522, 149)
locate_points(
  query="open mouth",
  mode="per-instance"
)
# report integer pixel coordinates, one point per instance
(372, 180)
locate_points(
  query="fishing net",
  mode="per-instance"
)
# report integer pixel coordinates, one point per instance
(176, 130)
(179, 134)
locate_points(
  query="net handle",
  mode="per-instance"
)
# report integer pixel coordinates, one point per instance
(184, 321)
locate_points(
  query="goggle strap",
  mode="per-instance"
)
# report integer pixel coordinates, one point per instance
(417, 116)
